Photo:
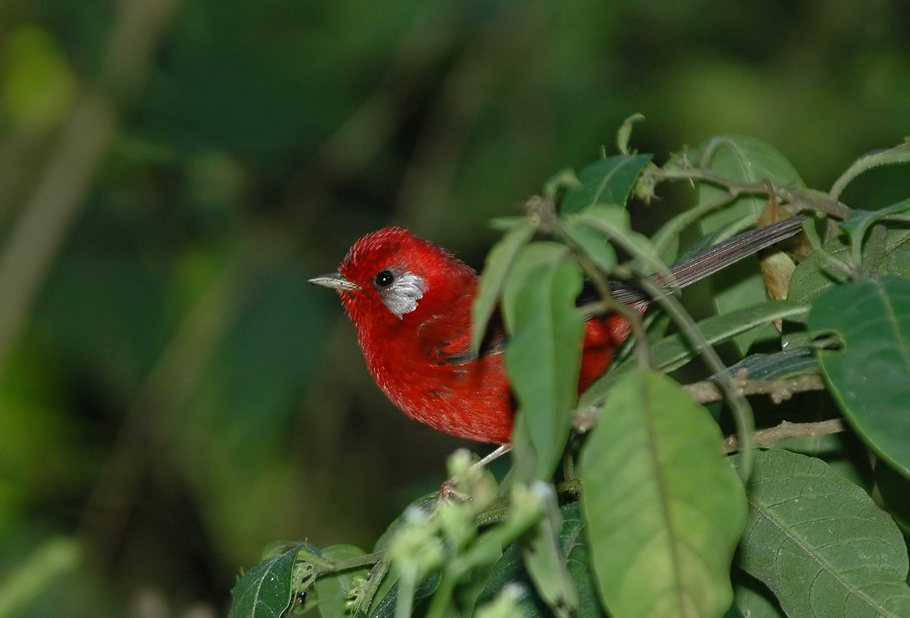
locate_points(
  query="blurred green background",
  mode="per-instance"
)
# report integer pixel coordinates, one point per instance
(174, 396)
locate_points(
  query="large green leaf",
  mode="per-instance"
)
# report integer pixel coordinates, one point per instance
(606, 181)
(499, 261)
(870, 375)
(820, 543)
(265, 590)
(543, 353)
(663, 508)
(746, 159)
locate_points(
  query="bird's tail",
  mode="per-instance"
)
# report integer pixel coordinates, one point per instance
(717, 257)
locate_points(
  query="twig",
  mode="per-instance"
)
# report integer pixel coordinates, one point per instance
(777, 390)
(799, 199)
(767, 437)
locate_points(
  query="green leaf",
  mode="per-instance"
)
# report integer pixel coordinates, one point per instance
(786, 364)
(858, 223)
(546, 563)
(385, 604)
(510, 569)
(751, 603)
(499, 261)
(746, 159)
(592, 245)
(870, 375)
(265, 590)
(612, 222)
(574, 546)
(663, 507)
(332, 589)
(751, 160)
(543, 353)
(674, 351)
(606, 181)
(820, 543)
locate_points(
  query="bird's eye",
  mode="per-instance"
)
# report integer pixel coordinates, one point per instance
(383, 279)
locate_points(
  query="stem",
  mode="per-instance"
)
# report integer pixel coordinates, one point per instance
(356, 562)
(799, 199)
(377, 574)
(442, 598)
(898, 154)
(405, 602)
(608, 304)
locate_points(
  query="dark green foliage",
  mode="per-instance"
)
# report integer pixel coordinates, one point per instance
(173, 395)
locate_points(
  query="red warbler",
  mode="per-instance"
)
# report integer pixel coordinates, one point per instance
(410, 302)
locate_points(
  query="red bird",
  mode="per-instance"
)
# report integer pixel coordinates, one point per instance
(410, 301)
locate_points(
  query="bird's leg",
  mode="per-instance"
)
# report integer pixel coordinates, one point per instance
(499, 452)
(448, 491)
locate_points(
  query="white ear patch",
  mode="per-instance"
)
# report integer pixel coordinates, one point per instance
(402, 294)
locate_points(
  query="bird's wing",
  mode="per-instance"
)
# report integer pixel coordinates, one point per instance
(450, 344)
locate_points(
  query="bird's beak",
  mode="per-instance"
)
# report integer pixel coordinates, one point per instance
(336, 281)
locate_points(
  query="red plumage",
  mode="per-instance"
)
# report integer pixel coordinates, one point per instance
(416, 358)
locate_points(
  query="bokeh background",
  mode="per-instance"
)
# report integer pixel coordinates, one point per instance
(173, 395)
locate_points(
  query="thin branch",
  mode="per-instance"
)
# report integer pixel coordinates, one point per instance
(799, 199)
(777, 390)
(708, 391)
(767, 437)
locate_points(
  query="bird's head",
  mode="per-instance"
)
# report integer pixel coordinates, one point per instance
(391, 274)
